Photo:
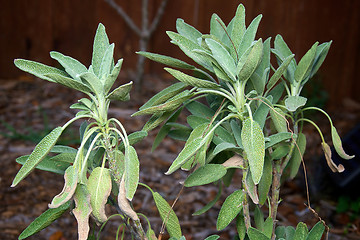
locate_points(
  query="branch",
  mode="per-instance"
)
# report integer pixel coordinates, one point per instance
(159, 14)
(126, 17)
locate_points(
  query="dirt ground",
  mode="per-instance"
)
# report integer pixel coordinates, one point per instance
(29, 107)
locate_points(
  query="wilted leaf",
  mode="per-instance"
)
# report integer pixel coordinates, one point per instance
(82, 211)
(39, 153)
(124, 203)
(251, 188)
(230, 209)
(71, 180)
(330, 162)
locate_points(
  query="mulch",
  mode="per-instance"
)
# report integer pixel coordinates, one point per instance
(29, 107)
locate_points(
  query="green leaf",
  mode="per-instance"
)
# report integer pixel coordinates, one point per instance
(230, 209)
(239, 27)
(284, 51)
(280, 71)
(265, 181)
(216, 26)
(296, 158)
(156, 119)
(121, 93)
(93, 81)
(223, 57)
(190, 80)
(279, 120)
(240, 226)
(338, 145)
(251, 62)
(131, 172)
(169, 61)
(82, 211)
(321, 53)
(168, 106)
(168, 216)
(249, 35)
(38, 69)
(68, 82)
(301, 231)
(277, 138)
(254, 146)
(280, 232)
(268, 227)
(255, 234)
(262, 111)
(101, 44)
(164, 95)
(63, 149)
(205, 174)
(39, 153)
(209, 204)
(107, 62)
(316, 232)
(292, 103)
(57, 164)
(236, 131)
(99, 187)
(185, 154)
(165, 129)
(187, 30)
(280, 152)
(200, 109)
(225, 146)
(290, 232)
(212, 237)
(187, 46)
(303, 69)
(110, 79)
(44, 220)
(71, 180)
(72, 66)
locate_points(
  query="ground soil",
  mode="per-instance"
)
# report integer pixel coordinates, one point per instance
(29, 107)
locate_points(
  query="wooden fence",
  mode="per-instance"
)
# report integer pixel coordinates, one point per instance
(31, 28)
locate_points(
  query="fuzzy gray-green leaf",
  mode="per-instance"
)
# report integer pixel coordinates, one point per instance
(280, 71)
(121, 93)
(44, 220)
(254, 146)
(99, 187)
(252, 61)
(301, 231)
(169, 61)
(297, 156)
(131, 172)
(249, 35)
(111, 78)
(338, 145)
(204, 175)
(39, 153)
(255, 234)
(107, 62)
(38, 69)
(279, 120)
(265, 181)
(230, 209)
(168, 215)
(101, 44)
(72, 66)
(187, 30)
(68, 82)
(190, 80)
(292, 103)
(321, 53)
(304, 67)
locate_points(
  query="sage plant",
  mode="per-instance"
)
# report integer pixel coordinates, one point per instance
(105, 165)
(249, 121)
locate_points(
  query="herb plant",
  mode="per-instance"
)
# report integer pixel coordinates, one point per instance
(246, 117)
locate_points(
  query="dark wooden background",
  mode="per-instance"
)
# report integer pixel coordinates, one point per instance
(31, 28)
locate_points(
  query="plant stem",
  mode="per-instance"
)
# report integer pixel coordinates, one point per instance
(275, 192)
(246, 210)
